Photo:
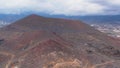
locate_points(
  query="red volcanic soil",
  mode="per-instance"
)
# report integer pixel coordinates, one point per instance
(39, 42)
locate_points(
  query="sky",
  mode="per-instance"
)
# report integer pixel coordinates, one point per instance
(61, 7)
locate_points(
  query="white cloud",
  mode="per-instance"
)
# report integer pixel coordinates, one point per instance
(75, 7)
(66, 7)
(114, 2)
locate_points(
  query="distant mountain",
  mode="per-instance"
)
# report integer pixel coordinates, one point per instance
(6, 19)
(111, 19)
(41, 42)
(11, 17)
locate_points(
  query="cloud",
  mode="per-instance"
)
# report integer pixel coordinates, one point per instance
(114, 2)
(66, 7)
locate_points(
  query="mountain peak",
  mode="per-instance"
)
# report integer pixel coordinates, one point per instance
(34, 16)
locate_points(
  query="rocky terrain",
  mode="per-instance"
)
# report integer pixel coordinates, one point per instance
(39, 42)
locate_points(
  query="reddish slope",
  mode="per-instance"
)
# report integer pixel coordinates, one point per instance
(22, 40)
(38, 42)
(37, 49)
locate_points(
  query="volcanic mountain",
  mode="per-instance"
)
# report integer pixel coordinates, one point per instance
(40, 42)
